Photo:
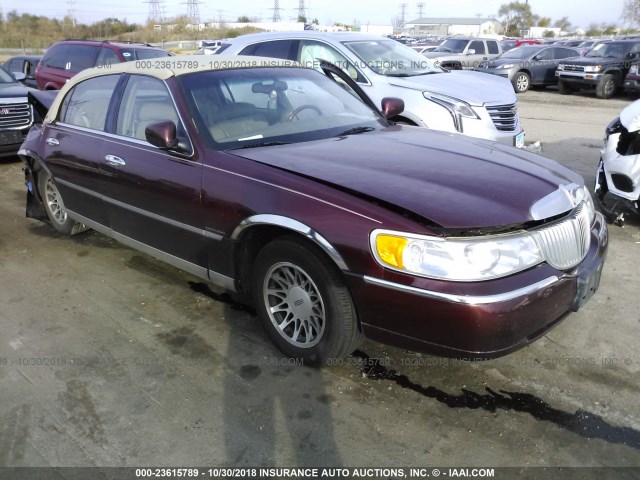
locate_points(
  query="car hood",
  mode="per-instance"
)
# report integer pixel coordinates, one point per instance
(584, 61)
(475, 88)
(460, 183)
(14, 90)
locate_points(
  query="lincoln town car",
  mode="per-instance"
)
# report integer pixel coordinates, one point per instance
(291, 188)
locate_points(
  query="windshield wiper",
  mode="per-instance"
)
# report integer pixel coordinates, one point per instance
(356, 130)
(259, 144)
(397, 75)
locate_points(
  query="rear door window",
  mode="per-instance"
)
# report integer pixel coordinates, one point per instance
(478, 46)
(275, 49)
(493, 46)
(88, 103)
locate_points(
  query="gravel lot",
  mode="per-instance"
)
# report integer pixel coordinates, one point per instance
(111, 358)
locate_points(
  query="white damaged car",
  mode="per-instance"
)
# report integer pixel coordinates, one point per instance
(466, 102)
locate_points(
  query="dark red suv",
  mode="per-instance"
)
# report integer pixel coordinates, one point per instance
(66, 58)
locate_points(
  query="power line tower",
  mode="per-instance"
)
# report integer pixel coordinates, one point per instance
(420, 8)
(276, 11)
(72, 11)
(301, 10)
(155, 11)
(403, 15)
(193, 11)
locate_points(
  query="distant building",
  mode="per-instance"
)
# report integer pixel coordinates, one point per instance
(540, 32)
(473, 27)
(375, 29)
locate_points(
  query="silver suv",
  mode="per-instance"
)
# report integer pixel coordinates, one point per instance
(467, 53)
(465, 102)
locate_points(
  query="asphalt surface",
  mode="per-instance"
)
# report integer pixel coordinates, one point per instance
(111, 358)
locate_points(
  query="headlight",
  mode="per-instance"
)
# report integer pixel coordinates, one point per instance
(508, 65)
(561, 67)
(588, 203)
(457, 108)
(633, 69)
(456, 259)
(593, 68)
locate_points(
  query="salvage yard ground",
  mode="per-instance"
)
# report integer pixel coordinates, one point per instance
(111, 358)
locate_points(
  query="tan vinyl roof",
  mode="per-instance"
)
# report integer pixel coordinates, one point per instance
(167, 67)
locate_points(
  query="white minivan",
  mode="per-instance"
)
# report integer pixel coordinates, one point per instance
(466, 102)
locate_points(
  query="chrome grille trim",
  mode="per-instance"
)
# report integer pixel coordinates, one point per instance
(15, 116)
(504, 117)
(566, 243)
(573, 68)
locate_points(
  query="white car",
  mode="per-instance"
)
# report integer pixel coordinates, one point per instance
(465, 102)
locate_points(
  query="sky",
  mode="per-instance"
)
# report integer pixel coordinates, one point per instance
(378, 12)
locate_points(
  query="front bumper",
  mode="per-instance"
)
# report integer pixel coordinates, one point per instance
(579, 79)
(11, 140)
(476, 320)
(631, 85)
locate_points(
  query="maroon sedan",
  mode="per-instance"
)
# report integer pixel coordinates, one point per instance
(276, 182)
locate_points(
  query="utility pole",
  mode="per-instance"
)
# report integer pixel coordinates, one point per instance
(155, 12)
(301, 10)
(420, 8)
(193, 11)
(276, 11)
(403, 15)
(72, 11)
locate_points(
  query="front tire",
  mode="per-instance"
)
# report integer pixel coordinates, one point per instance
(303, 303)
(564, 89)
(606, 87)
(521, 82)
(54, 206)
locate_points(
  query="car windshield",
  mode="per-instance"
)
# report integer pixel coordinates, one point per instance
(520, 53)
(6, 77)
(390, 58)
(611, 50)
(130, 54)
(273, 105)
(452, 46)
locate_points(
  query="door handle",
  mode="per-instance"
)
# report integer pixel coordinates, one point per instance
(52, 142)
(115, 161)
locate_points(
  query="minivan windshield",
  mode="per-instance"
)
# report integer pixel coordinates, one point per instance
(392, 59)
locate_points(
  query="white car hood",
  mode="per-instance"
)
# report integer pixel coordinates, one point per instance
(475, 88)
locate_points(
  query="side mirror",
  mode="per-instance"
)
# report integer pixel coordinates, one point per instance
(392, 107)
(19, 76)
(471, 51)
(162, 134)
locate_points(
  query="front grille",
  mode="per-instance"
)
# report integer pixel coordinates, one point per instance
(15, 115)
(573, 68)
(566, 243)
(504, 117)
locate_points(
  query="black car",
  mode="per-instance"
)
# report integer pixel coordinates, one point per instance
(16, 115)
(603, 69)
(25, 64)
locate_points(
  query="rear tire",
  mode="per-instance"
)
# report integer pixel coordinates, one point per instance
(607, 86)
(303, 302)
(54, 206)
